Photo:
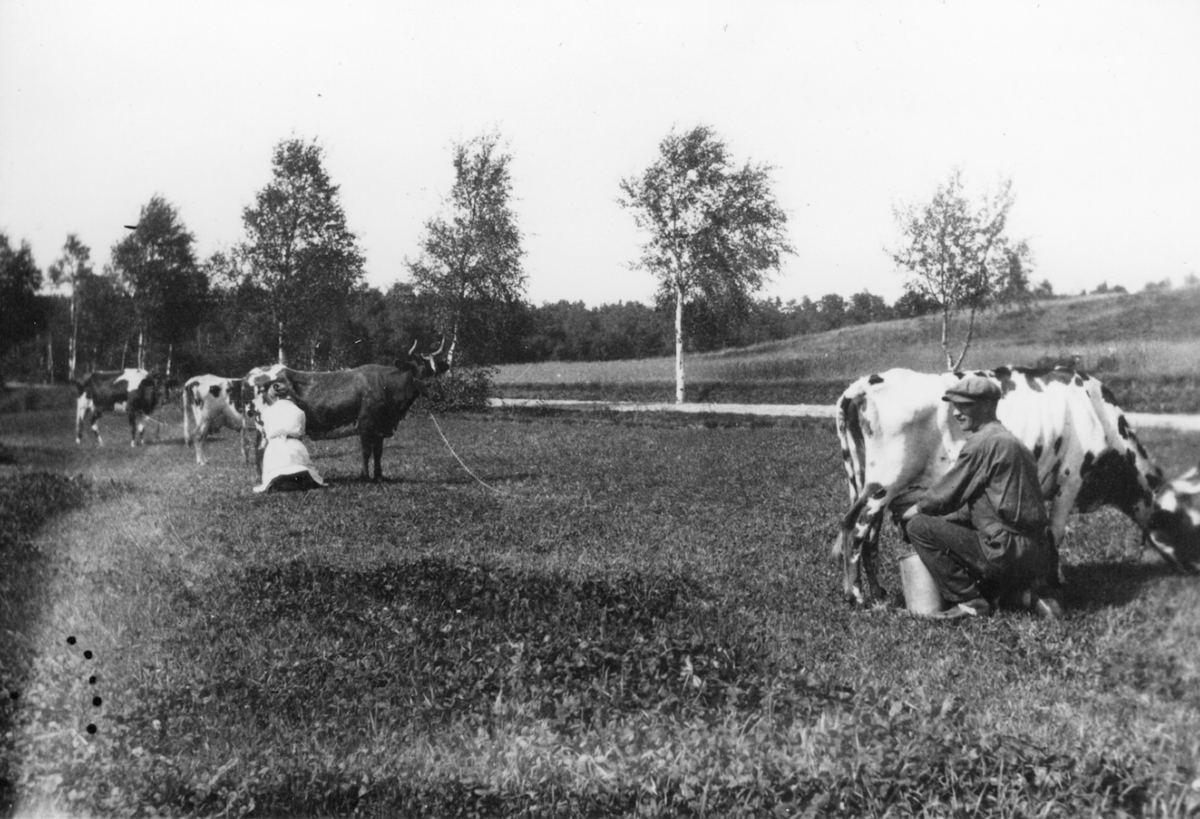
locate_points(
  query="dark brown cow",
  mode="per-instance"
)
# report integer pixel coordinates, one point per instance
(368, 401)
(134, 392)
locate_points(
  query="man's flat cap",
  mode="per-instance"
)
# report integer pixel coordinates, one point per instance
(971, 389)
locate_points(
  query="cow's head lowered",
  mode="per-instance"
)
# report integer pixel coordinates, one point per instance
(1174, 526)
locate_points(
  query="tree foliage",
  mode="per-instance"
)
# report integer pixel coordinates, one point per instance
(956, 254)
(470, 261)
(867, 308)
(20, 278)
(156, 267)
(299, 252)
(571, 331)
(913, 303)
(70, 270)
(716, 231)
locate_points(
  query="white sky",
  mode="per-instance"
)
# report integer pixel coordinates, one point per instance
(1092, 108)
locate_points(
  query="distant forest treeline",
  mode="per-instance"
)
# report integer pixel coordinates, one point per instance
(223, 330)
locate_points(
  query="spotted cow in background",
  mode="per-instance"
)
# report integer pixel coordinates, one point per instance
(898, 436)
(134, 392)
(213, 402)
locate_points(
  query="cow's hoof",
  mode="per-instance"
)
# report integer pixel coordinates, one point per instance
(880, 604)
(1048, 608)
(1043, 603)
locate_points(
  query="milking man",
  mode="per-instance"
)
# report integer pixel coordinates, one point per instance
(981, 528)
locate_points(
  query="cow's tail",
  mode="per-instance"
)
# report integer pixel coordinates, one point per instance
(850, 435)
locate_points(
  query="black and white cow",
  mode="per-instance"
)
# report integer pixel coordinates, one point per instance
(897, 434)
(367, 401)
(213, 402)
(134, 392)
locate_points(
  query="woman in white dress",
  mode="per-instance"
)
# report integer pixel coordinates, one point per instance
(285, 464)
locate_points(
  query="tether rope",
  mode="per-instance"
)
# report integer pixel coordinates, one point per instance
(438, 427)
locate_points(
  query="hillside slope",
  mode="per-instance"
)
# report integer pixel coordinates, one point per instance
(1146, 346)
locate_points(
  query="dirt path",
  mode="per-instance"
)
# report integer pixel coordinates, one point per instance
(781, 410)
(1141, 420)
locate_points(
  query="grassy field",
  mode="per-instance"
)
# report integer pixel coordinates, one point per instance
(611, 615)
(1144, 345)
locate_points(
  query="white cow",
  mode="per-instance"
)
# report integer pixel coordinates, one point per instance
(897, 434)
(213, 402)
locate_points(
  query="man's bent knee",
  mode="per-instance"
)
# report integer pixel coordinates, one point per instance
(920, 530)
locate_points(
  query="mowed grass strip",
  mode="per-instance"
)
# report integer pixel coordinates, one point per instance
(614, 615)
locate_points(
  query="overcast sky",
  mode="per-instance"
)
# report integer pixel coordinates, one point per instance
(1092, 108)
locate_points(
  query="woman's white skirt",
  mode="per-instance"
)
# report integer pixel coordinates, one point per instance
(285, 457)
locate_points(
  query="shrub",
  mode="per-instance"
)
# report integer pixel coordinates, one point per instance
(463, 388)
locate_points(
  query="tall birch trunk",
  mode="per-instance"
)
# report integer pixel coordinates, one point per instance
(453, 345)
(72, 344)
(946, 338)
(678, 343)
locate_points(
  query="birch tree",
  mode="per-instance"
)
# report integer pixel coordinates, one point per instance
(70, 271)
(956, 254)
(156, 266)
(470, 262)
(298, 248)
(716, 231)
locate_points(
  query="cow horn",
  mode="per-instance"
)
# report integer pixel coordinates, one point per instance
(413, 348)
(438, 351)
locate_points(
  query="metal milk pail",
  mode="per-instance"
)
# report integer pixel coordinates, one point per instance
(921, 594)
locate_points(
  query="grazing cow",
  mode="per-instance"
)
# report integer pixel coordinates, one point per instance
(368, 401)
(135, 392)
(898, 435)
(213, 402)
